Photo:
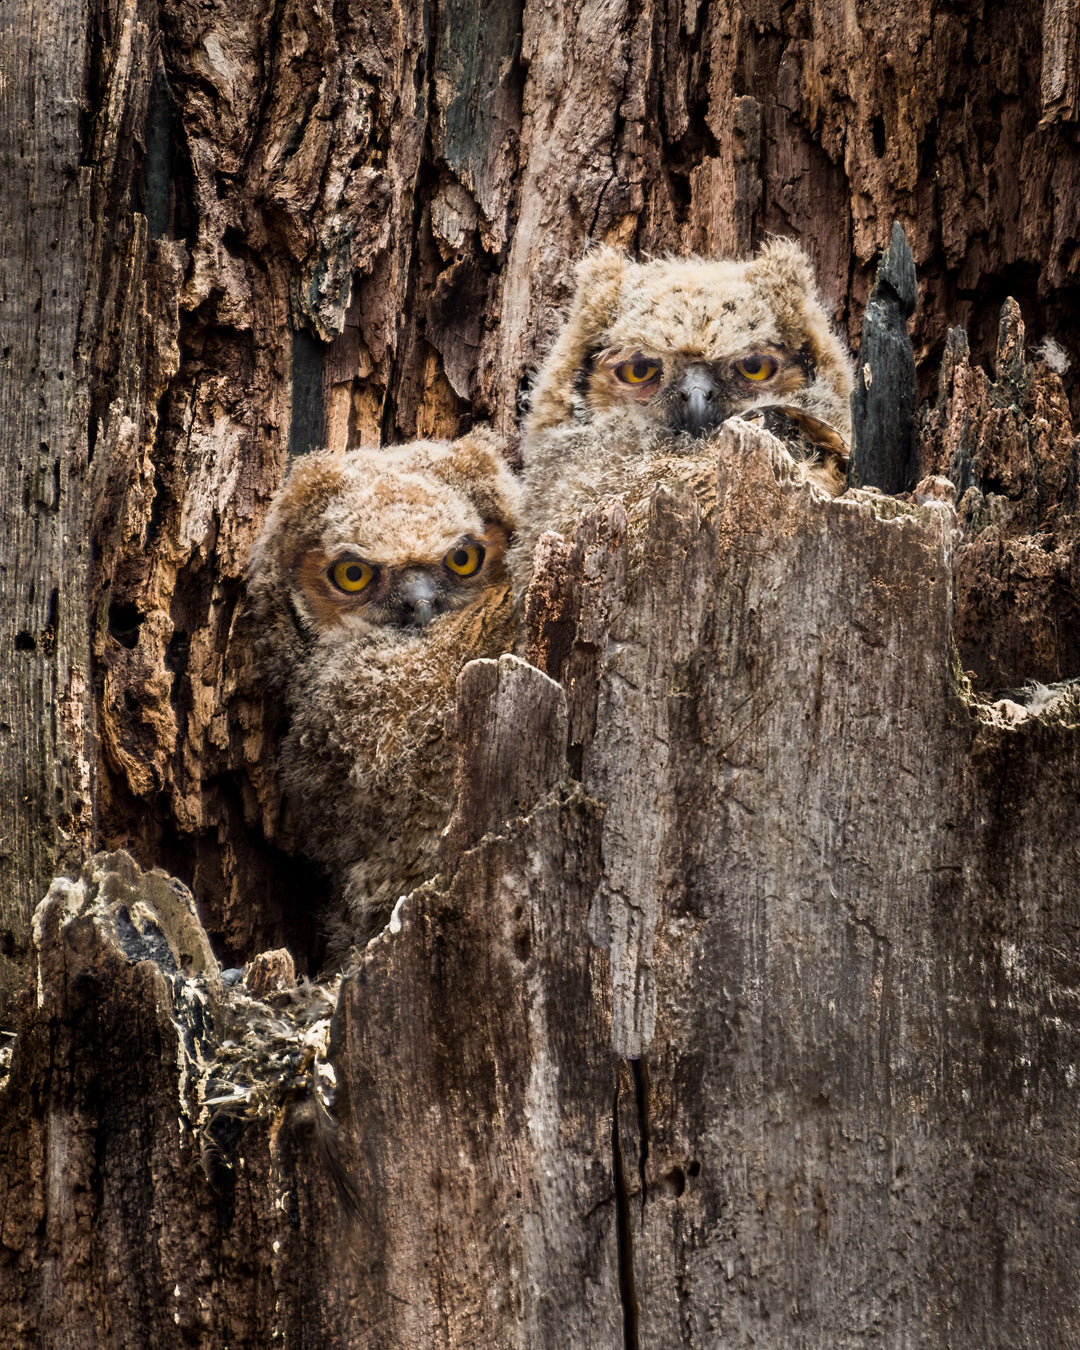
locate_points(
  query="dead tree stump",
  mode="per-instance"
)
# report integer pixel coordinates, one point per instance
(743, 1012)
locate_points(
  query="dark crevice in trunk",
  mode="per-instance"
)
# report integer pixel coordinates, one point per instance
(624, 1232)
(390, 432)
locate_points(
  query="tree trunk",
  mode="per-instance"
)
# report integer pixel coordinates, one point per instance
(46, 743)
(743, 1011)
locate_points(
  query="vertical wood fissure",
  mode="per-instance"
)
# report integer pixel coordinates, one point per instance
(639, 1069)
(624, 1230)
(405, 328)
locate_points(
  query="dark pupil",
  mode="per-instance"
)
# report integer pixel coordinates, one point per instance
(753, 364)
(354, 573)
(642, 370)
(461, 557)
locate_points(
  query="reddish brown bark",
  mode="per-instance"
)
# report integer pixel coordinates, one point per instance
(362, 228)
(234, 233)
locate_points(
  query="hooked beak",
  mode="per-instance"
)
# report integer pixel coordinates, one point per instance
(697, 407)
(418, 598)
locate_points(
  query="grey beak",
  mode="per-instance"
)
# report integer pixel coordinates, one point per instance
(697, 407)
(418, 598)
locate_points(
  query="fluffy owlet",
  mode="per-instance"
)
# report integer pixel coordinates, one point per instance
(654, 356)
(378, 575)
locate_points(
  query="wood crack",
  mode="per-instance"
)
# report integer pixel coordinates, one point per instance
(624, 1234)
(389, 430)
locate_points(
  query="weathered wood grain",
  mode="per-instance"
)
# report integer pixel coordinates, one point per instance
(46, 717)
(1060, 85)
(743, 1012)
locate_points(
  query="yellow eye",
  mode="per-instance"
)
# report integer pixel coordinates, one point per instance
(465, 560)
(638, 370)
(757, 366)
(351, 575)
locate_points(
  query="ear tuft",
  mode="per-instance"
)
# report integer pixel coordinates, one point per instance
(782, 264)
(599, 288)
(476, 465)
(593, 310)
(782, 270)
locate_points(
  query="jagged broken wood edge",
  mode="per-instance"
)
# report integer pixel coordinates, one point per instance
(509, 1066)
(165, 1084)
(1007, 443)
(490, 1095)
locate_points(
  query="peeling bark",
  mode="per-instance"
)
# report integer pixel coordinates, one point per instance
(741, 1012)
(743, 1009)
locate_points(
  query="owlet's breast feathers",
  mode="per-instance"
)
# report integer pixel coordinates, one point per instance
(378, 575)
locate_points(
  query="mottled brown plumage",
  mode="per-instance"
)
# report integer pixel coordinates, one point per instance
(655, 356)
(378, 575)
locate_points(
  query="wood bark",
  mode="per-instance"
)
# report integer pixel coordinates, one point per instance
(361, 226)
(743, 1014)
(743, 1011)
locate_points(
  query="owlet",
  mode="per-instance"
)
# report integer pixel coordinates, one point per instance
(378, 575)
(654, 356)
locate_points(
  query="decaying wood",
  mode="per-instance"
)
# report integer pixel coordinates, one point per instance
(883, 403)
(1060, 62)
(46, 741)
(1007, 444)
(743, 1012)
(134, 1206)
(361, 226)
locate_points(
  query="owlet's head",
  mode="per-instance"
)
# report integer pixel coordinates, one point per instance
(683, 344)
(377, 542)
